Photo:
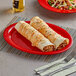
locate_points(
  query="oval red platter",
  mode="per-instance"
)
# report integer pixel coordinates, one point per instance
(44, 3)
(16, 40)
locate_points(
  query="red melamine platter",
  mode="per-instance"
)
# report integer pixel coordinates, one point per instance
(17, 41)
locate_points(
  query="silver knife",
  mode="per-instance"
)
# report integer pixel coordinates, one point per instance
(62, 68)
(48, 66)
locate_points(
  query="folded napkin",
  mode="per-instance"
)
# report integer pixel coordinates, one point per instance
(62, 73)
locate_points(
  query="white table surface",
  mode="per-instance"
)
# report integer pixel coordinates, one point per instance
(13, 65)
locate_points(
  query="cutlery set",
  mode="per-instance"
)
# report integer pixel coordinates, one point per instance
(41, 70)
(63, 68)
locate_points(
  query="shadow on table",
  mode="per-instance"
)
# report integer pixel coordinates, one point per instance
(53, 15)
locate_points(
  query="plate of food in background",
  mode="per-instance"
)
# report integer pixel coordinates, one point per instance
(38, 37)
(60, 6)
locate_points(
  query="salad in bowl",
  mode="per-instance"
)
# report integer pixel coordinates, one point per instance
(63, 4)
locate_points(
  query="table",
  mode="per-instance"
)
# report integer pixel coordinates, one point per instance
(15, 65)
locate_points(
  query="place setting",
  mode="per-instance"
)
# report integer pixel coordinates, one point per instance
(21, 41)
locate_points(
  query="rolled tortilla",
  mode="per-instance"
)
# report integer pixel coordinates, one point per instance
(35, 37)
(49, 33)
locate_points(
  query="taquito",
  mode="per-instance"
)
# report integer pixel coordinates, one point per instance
(49, 33)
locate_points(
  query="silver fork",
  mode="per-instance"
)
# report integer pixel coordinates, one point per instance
(46, 67)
